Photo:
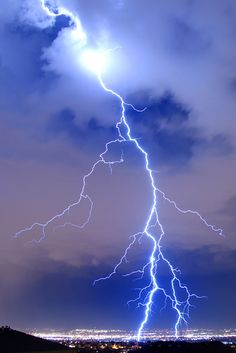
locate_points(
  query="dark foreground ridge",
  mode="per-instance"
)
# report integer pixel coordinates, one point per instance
(12, 341)
(186, 347)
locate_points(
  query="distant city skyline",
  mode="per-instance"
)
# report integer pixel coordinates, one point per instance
(228, 335)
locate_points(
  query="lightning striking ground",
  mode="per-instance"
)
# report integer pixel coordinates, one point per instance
(179, 295)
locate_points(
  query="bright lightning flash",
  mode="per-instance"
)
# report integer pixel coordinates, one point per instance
(95, 61)
(177, 294)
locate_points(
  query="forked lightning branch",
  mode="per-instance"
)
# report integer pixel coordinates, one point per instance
(179, 297)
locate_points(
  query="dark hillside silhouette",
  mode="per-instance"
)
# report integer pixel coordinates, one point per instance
(12, 341)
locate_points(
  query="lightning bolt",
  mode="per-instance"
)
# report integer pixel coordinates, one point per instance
(53, 9)
(178, 295)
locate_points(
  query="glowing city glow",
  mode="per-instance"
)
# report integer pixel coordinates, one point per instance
(176, 293)
(96, 335)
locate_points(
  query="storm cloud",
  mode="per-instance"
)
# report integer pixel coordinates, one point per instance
(177, 59)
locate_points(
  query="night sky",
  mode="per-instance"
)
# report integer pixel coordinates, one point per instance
(178, 59)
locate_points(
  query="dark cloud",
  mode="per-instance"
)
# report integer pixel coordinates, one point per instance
(65, 123)
(22, 73)
(206, 260)
(163, 130)
(167, 132)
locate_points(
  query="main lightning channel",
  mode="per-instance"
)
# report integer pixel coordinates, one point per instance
(146, 294)
(156, 252)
